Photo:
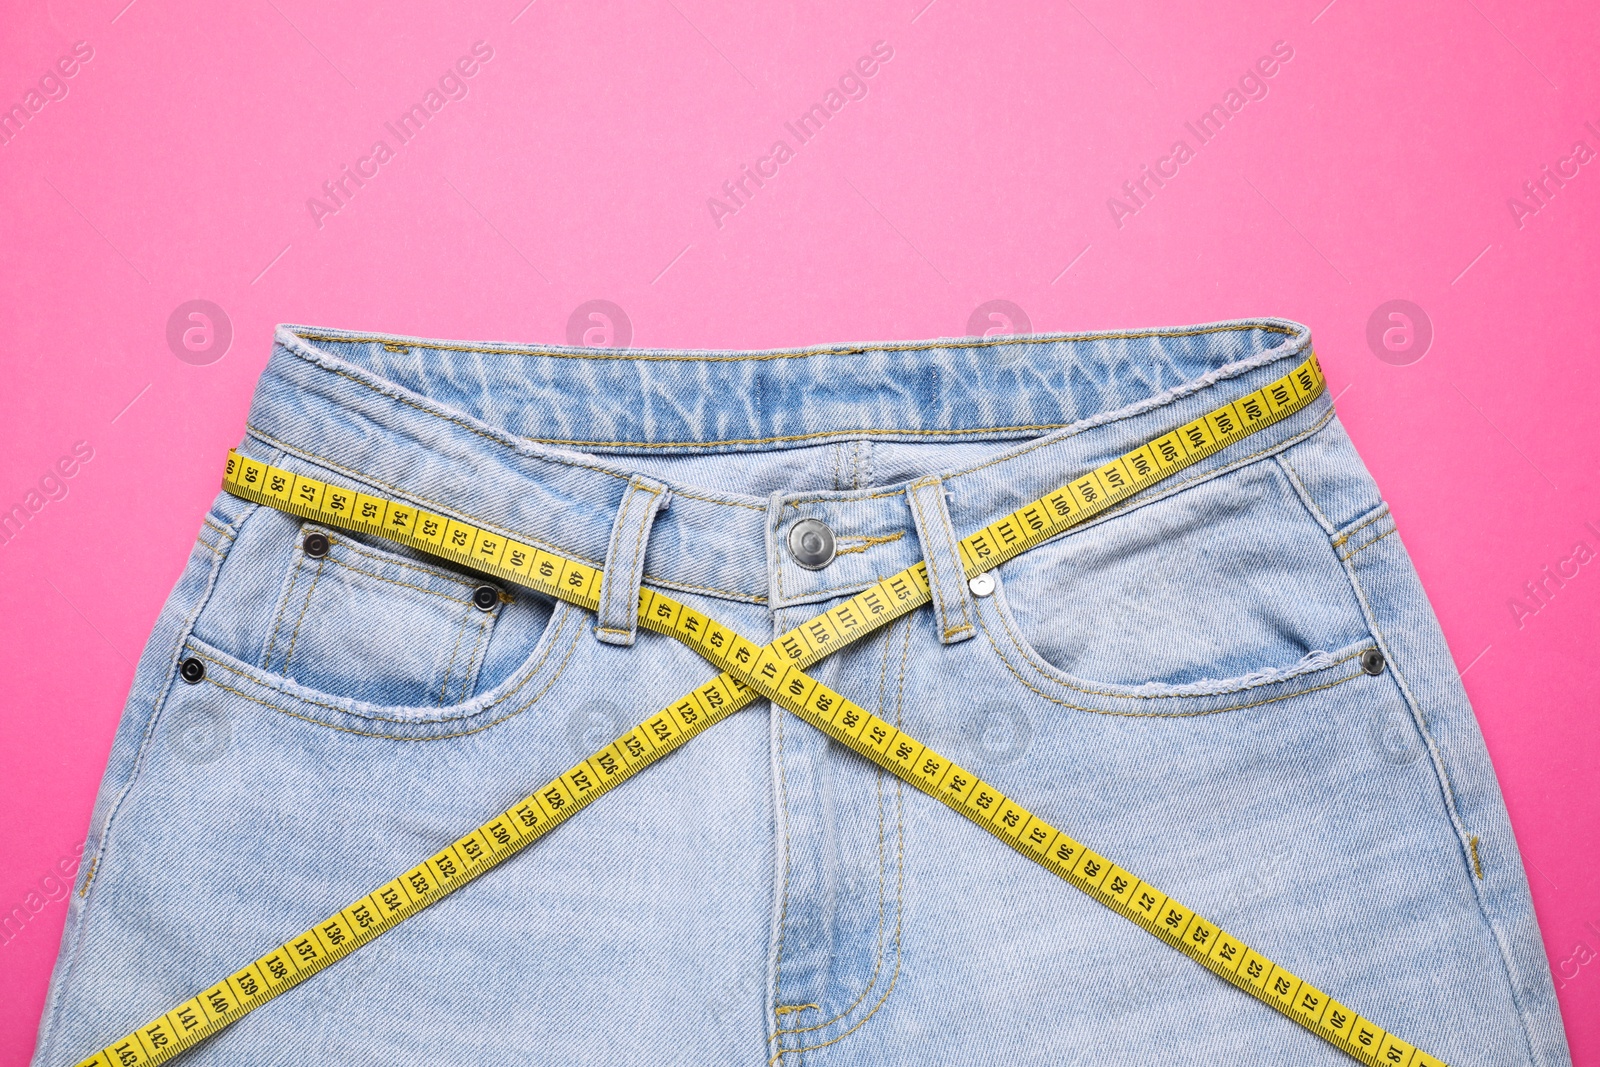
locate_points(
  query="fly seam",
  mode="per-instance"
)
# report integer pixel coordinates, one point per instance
(783, 910)
(899, 918)
(877, 967)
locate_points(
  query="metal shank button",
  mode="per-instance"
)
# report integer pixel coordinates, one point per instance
(811, 544)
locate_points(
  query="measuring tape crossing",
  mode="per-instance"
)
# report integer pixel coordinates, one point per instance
(776, 672)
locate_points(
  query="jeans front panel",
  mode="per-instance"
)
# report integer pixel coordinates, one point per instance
(262, 806)
(1298, 808)
(1179, 684)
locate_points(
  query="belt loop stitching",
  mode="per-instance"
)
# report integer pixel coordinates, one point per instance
(617, 621)
(946, 576)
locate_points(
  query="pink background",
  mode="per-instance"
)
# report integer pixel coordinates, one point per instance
(978, 167)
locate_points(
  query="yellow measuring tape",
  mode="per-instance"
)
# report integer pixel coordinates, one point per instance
(776, 672)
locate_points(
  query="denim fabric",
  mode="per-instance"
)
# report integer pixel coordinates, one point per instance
(1178, 684)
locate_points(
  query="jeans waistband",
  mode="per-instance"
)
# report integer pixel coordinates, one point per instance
(539, 442)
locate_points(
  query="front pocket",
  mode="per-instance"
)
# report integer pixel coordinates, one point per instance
(359, 622)
(1224, 580)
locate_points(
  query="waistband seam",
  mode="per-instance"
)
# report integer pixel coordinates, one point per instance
(1143, 407)
(311, 457)
(303, 349)
(344, 370)
(844, 433)
(1171, 396)
(447, 510)
(523, 456)
(455, 418)
(508, 440)
(559, 352)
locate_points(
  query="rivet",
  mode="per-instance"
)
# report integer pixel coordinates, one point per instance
(315, 545)
(1372, 661)
(192, 670)
(485, 597)
(811, 544)
(981, 584)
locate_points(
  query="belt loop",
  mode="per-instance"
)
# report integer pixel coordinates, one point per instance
(617, 620)
(952, 601)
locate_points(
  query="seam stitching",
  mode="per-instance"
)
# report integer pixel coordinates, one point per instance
(1366, 545)
(1159, 491)
(608, 590)
(531, 671)
(446, 510)
(390, 737)
(1382, 510)
(1139, 408)
(940, 537)
(1024, 649)
(856, 350)
(395, 581)
(899, 919)
(846, 433)
(344, 541)
(861, 544)
(305, 606)
(877, 966)
(1452, 812)
(930, 553)
(783, 912)
(1299, 486)
(218, 527)
(460, 420)
(636, 563)
(285, 598)
(1160, 714)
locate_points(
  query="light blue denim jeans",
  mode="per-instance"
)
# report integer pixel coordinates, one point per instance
(1179, 684)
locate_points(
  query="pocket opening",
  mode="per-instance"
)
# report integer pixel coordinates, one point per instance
(1227, 580)
(1317, 669)
(370, 624)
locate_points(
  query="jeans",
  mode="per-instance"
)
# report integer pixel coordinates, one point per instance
(1181, 683)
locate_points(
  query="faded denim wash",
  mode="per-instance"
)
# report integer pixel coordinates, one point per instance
(1177, 683)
